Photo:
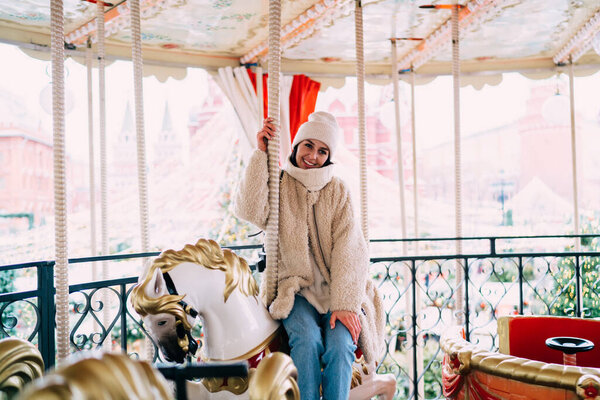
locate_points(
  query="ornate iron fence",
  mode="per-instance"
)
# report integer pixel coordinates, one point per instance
(419, 293)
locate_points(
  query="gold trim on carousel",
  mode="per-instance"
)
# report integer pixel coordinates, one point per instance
(236, 385)
(262, 346)
(472, 357)
(275, 378)
(20, 363)
(504, 334)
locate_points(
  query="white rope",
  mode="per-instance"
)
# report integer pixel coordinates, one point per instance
(274, 70)
(399, 145)
(103, 173)
(362, 139)
(93, 239)
(60, 182)
(136, 56)
(414, 159)
(457, 164)
(574, 155)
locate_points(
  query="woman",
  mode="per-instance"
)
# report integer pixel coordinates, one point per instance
(322, 290)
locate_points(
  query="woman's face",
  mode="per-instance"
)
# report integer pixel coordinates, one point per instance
(312, 153)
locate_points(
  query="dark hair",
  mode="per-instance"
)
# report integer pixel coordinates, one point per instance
(295, 151)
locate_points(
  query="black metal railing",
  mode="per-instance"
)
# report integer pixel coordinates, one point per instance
(420, 294)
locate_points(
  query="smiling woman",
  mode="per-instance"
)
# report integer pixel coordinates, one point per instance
(322, 265)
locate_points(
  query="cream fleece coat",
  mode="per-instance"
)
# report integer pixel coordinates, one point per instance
(342, 256)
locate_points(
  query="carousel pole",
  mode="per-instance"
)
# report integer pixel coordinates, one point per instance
(103, 172)
(60, 181)
(92, 169)
(414, 158)
(415, 368)
(362, 139)
(574, 154)
(274, 70)
(399, 146)
(460, 292)
(579, 283)
(93, 239)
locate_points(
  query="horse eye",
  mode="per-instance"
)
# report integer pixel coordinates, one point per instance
(161, 323)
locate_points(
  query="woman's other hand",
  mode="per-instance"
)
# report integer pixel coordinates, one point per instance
(350, 321)
(266, 133)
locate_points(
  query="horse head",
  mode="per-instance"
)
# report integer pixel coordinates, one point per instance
(164, 316)
(207, 277)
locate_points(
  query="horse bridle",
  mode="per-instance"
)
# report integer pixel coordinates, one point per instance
(182, 333)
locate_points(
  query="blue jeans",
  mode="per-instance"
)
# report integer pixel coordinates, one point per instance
(312, 342)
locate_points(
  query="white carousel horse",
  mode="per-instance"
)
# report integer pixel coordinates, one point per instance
(216, 285)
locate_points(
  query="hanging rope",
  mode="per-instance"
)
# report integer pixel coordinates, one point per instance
(60, 182)
(362, 137)
(103, 174)
(414, 158)
(274, 69)
(136, 53)
(93, 240)
(399, 145)
(457, 164)
(136, 56)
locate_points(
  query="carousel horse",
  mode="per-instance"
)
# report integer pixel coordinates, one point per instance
(20, 363)
(101, 377)
(202, 280)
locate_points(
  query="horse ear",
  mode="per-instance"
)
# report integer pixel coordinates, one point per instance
(157, 285)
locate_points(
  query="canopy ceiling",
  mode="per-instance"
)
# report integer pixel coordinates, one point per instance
(507, 35)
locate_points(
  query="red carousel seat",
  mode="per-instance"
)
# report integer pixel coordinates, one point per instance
(525, 336)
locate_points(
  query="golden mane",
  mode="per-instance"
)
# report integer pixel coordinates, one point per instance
(206, 253)
(20, 363)
(101, 377)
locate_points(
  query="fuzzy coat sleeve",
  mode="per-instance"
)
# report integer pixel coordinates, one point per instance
(349, 257)
(252, 197)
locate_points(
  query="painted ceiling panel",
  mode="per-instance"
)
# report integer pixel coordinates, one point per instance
(382, 19)
(526, 28)
(223, 26)
(515, 30)
(37, 12)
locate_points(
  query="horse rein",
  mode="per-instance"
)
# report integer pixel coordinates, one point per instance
(183, 333)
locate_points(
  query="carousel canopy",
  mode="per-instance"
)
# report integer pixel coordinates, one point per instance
(531, 36)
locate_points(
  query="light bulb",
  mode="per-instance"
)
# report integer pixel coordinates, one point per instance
(556, 109)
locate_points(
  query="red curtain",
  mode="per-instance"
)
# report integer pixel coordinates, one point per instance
(303, 98)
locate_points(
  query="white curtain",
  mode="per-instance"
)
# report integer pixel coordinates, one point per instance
(238, 88)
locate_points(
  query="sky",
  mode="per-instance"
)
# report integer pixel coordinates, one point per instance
(30, 79)
(27, 80)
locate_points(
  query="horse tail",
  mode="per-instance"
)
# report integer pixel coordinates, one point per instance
(274, 379)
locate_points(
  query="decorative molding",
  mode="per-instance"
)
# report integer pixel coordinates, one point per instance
(117, 19)
(472, 15)
(580, 42)
(303, 26)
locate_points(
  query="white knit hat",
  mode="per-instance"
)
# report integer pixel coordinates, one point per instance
(322, 126)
